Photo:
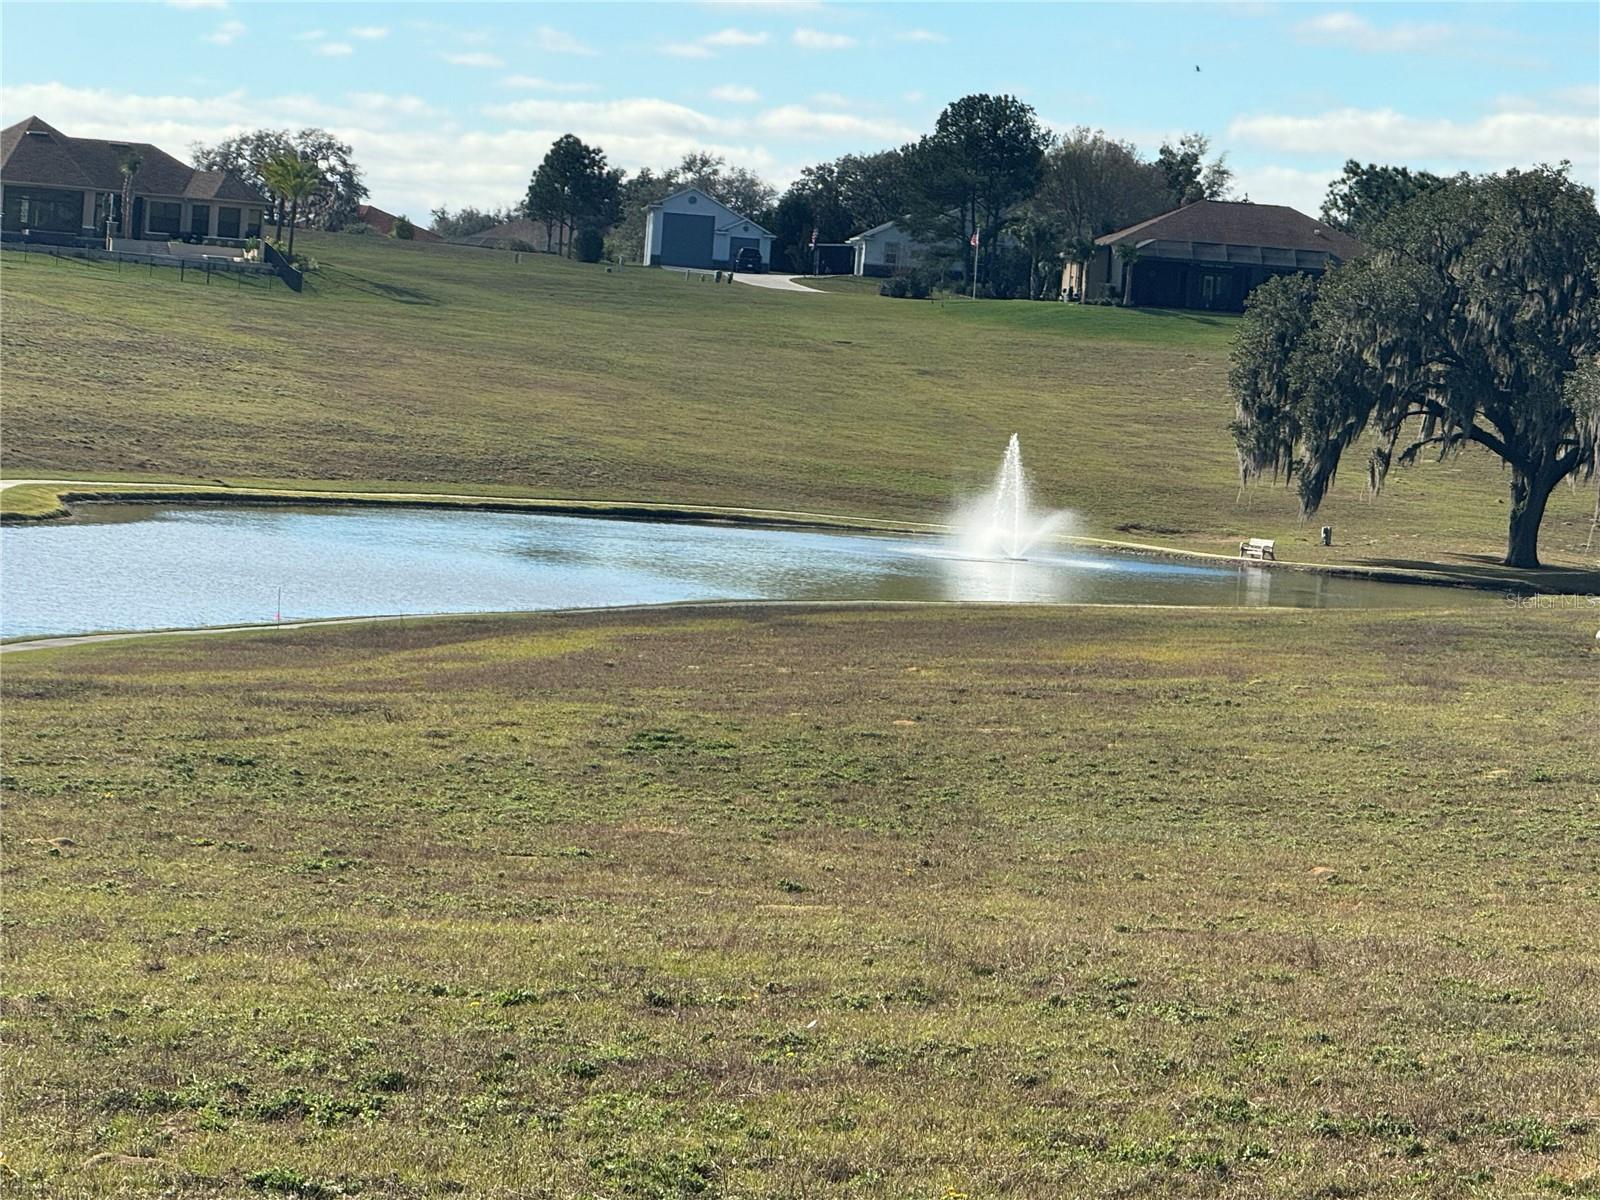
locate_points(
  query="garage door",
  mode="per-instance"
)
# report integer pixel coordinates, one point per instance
(686, 240)
(737, 244)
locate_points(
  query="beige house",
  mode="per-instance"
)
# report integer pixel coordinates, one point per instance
(1209, 255)
(62, 190)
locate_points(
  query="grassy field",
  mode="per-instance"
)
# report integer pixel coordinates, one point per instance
(768, 903)
(438, 368)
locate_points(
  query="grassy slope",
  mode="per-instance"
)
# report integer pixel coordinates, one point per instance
(451, 369)
(991, 903)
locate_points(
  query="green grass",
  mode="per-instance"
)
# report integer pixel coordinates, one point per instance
(31, 502)
(984, 903)
(844, 285)
(429, 367)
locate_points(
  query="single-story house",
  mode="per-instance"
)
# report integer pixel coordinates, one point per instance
(1209, 254)
(520, 234)
(885, 249)
(383, 223)
(68, 191)
(690, 229)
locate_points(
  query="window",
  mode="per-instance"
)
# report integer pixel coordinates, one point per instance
(891, 254)
(164, 216)
(252, 227)
(43, 209)
(200, 220)
(227, 222)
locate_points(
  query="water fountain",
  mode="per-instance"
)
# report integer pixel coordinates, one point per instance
(1001, 523)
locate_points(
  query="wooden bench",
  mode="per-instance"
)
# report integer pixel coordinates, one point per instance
(1259, 549)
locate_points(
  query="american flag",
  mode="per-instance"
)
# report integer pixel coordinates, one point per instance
(973, 240)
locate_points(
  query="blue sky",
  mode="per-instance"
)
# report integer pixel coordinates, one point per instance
(455, 103)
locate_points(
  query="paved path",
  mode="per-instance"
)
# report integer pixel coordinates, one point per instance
(778, 283)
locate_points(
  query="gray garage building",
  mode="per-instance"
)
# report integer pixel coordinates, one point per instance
(690, 229)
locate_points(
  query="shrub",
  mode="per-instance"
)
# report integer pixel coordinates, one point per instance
(589, 245)
(404, 229)
(912, 285)
(358, 229)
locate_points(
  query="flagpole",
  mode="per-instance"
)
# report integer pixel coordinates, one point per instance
(977, 236)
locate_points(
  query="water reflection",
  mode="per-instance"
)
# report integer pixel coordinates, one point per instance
(142, 567)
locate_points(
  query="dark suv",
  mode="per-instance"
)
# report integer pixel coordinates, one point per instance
(748, 260)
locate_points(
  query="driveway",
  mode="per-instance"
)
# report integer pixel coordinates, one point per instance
(778, 283)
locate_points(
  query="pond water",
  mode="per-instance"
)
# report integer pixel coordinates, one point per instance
(116, 567)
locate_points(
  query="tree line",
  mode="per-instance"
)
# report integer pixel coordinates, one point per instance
(988, 169)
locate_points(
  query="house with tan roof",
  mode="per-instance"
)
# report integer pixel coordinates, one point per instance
(67, 191)
(383, 223)
(520, 233)
(1208, 255)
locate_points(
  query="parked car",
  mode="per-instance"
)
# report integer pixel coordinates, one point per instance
(748, 260)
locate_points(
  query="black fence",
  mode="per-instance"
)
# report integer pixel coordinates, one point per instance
(285, 269)
(154, 266)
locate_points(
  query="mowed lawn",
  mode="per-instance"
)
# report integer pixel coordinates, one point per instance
(450, 369)
(782, 903)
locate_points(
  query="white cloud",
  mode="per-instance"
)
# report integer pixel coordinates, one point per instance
(736, 37)
(1498, 140)
(1355, 31)
(817, 39)
(554, 41)
(831, 99)
(383, 102)
(913, 97)
(1583, 96)
(707, 46)
(604, 119)
(601, 117)
(735, 93)
(334, 49)
(920, 35)
(797, 121)
(474, 58)
(369, 32)
(533, 83)
(227, 33)
(1301, 189)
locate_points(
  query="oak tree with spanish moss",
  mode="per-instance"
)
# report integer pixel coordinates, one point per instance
(1473, 321)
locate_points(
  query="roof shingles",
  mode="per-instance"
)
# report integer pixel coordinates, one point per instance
(32, 151)
(1240, 223)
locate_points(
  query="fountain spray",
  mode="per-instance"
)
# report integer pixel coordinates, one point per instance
(1001, 523)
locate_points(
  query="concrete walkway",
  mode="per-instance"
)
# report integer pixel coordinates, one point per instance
(777, 283)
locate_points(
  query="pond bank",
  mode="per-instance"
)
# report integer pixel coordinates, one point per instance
(51, 500)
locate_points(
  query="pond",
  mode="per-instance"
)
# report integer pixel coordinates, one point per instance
(119, 567)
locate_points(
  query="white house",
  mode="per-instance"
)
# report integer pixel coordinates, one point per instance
(887, 248)
(690, 229)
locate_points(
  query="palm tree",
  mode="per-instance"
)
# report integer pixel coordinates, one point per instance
(294, 179)
(128, 165)
(274, 175)
(1129, 254)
